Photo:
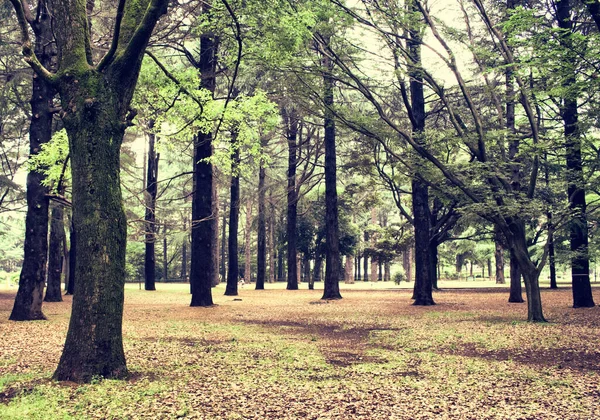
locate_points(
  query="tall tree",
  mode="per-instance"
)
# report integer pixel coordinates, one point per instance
(234, 214)
(150, 213)
(332, 233)
(578, 226)
(28, 302)
(261, 254)
(95, 101)
(290, 119)
(201, 249)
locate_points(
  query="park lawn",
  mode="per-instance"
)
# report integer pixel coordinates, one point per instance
(287, 354)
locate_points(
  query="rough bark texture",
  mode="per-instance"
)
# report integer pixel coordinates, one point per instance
(28, 302)
(201, 249)
(247, 242)
(150, 214)
(55, 255)
(516, 294)
(420, 192)
(261, 254)
(499, 257)
(332, 234)
(234, 213)
(578, 226)
(291, 121)
(214, 273)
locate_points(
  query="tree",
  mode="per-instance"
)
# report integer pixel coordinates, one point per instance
(95, 99)
(150, 226)
(578, 226)
(28, 302)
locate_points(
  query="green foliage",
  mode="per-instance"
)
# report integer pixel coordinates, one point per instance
(50, 160)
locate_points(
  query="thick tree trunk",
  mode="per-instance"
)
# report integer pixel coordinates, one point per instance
(28, 302)
(387, 272)
(261, 254)
(55, 256)
(423, 288)
(578, 226)
(202, 227)
(150, 214)
(518, 246)
(233, 272)
(291, 122)
(95, 134)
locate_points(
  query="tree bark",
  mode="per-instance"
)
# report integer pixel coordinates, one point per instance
(165, 274)
(291, 121)
(248, 241)
(150, 214)
(516, 294)
(214, 274)
(499, 257)
(233, 272)
(261, 254)
(578, 226)
(55, 256)
(184, 258)
(420, 191)
(332, 231)
(201, 249)
(28, 302)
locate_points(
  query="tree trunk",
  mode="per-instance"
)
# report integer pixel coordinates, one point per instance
(528, 269)
(55, 256)
(348, 270)
(499, 257)
(223, 245)
(407, 264)
(150, 214)
(578, 226)
(516, 294)
(214, 274)
(184, 259)
(202, 244)
(72, 259)
(100, 229)
(261, 254)
(307, 277)
(332, 231)
(165, 275)
(28, 302)
(387, 276)
(420, 199)
(233, 272)
(248, 241)
(357, 268)
(291, 121)
(433, 263)
(272, 251)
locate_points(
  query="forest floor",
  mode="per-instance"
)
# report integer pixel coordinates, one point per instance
(287, 354)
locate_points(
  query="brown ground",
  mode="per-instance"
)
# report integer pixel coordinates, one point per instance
(286, 354)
